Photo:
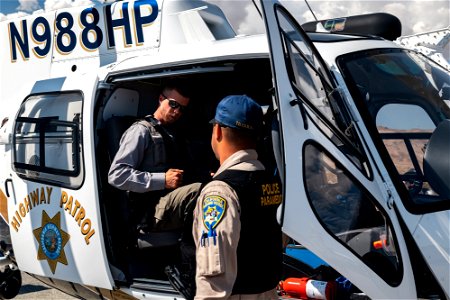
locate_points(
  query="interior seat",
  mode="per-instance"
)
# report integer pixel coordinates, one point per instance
(436, 162)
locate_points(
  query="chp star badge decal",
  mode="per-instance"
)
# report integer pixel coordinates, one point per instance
(51, 239)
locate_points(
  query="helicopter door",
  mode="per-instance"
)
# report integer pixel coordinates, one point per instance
(53, 208)
(335, 203)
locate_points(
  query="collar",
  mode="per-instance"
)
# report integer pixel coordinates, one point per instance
(152, 120)
(241, 156)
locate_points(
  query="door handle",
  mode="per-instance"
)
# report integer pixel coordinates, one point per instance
(300, 104)
(6, 186)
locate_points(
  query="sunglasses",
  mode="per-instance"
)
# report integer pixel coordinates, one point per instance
(174, 104)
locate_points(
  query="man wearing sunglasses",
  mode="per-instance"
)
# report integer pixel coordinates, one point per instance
(146, 165)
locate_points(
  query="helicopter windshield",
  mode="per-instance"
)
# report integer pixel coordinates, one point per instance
(407, 99)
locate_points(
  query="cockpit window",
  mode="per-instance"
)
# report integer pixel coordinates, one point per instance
(408, 100)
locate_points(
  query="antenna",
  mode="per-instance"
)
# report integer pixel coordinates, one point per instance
(257, 8)
(310, 9)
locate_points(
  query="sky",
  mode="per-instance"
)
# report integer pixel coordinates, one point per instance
(417, 16)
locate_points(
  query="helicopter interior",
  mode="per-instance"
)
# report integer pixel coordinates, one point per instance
(144, 257)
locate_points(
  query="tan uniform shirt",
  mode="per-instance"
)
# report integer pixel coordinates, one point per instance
(217, 215)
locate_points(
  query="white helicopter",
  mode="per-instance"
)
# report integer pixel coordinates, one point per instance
(358, 128)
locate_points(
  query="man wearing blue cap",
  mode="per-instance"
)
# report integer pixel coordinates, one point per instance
(236, 234)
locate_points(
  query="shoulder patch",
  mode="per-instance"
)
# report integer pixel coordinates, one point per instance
(213, 210)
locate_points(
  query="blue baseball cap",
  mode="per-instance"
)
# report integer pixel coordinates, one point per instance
(240, 112)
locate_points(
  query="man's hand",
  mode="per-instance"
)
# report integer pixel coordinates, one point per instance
(174, 178)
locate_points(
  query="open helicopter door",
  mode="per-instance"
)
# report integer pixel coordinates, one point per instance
(53, 208)
(336, 203)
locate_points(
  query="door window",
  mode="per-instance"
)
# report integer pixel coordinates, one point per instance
(350, 214)
(47, 139)
(306, 73)
(311, 83)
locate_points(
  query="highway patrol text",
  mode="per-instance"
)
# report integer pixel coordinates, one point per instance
(73, 208)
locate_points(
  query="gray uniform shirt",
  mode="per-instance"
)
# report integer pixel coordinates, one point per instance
(216, 257)
(140, 163)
